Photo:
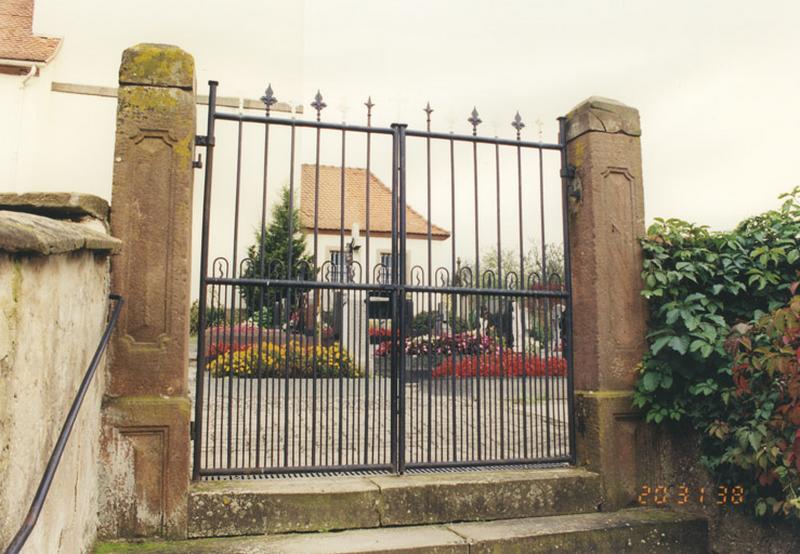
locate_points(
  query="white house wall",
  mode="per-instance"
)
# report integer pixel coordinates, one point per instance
(416, 251)
(55, 141)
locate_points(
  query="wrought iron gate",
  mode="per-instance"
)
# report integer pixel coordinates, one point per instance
(322, 357)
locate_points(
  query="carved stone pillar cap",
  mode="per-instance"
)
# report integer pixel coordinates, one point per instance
(159, 65)
(603, 115)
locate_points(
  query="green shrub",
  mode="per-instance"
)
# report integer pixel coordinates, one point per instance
(269, 254)
(214, 316)
(424, 323)
(699, 284)
(464, 324)
(264, 317)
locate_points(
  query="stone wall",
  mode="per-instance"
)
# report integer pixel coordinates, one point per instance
(54, 284)
(670, 458)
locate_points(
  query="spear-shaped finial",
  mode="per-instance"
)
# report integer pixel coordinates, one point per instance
(518, 124)
(475, 121)
(428, 111)
(369, 104)
(318, 104)
(269, 98)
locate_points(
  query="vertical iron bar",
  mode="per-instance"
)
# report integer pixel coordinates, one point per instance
(201, 358)
(401, 284)
(397, 347)
(501, 304)
(317, 274)
(366, 278)
(342, 274)
(454, 308)
(237, 198)
(477, 432)
(523, 306)
(288, 307)
(428, 373)
(567, 346)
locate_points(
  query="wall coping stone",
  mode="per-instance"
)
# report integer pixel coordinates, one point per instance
(30, 233)
(58, 205)
(157, 65)
(604, 115)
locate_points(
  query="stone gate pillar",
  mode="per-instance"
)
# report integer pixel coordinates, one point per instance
(146, 449)
(610, 315)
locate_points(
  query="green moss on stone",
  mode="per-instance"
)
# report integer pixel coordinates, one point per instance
(164, 547)
(148, 98)
(157, 64)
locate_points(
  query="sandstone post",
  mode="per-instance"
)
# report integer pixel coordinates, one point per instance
(146, 443)
(610, 315)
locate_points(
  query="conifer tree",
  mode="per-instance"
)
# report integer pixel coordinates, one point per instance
(271, 261)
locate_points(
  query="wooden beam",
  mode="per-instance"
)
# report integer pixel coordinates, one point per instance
(224, 101)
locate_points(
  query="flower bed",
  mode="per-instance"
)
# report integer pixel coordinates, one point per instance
(507, 364)
(417, 368)
(294, 360)
(377, 335)
(461, 343)
(224, 338)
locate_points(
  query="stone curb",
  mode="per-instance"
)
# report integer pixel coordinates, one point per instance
(636, 531)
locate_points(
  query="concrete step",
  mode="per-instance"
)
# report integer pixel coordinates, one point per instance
(271, 506)
(633, 531)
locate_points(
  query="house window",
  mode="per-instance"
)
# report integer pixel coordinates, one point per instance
(385, 272)
(341, 267)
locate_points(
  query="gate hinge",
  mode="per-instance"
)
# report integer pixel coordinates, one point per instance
(191, 430)
(574, 184)
(203, 140)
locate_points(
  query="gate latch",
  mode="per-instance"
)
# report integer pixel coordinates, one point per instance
(201, 140)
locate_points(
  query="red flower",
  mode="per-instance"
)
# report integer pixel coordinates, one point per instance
(509, 364)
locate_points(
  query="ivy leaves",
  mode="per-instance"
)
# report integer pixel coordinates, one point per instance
(692, 325)
(699, 284)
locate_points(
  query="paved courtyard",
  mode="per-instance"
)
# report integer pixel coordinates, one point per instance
(274, 423)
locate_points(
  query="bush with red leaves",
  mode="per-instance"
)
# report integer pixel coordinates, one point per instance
(759, 440)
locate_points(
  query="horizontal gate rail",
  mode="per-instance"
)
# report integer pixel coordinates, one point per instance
(486, 378)
(385, 288)
(243, 118)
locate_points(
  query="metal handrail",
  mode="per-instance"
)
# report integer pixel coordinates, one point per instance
(52, 465)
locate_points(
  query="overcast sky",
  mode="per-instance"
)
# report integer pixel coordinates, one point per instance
(717, 83)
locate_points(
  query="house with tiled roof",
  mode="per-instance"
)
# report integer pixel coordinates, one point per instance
(21, 51)
(359, 235)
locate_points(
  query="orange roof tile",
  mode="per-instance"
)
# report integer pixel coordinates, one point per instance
(355, 204)
(17, 41)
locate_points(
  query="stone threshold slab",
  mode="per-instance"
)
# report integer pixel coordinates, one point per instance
(227, 508)
(632, 531)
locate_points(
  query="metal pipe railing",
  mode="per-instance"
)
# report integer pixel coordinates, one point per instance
(52, 465)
